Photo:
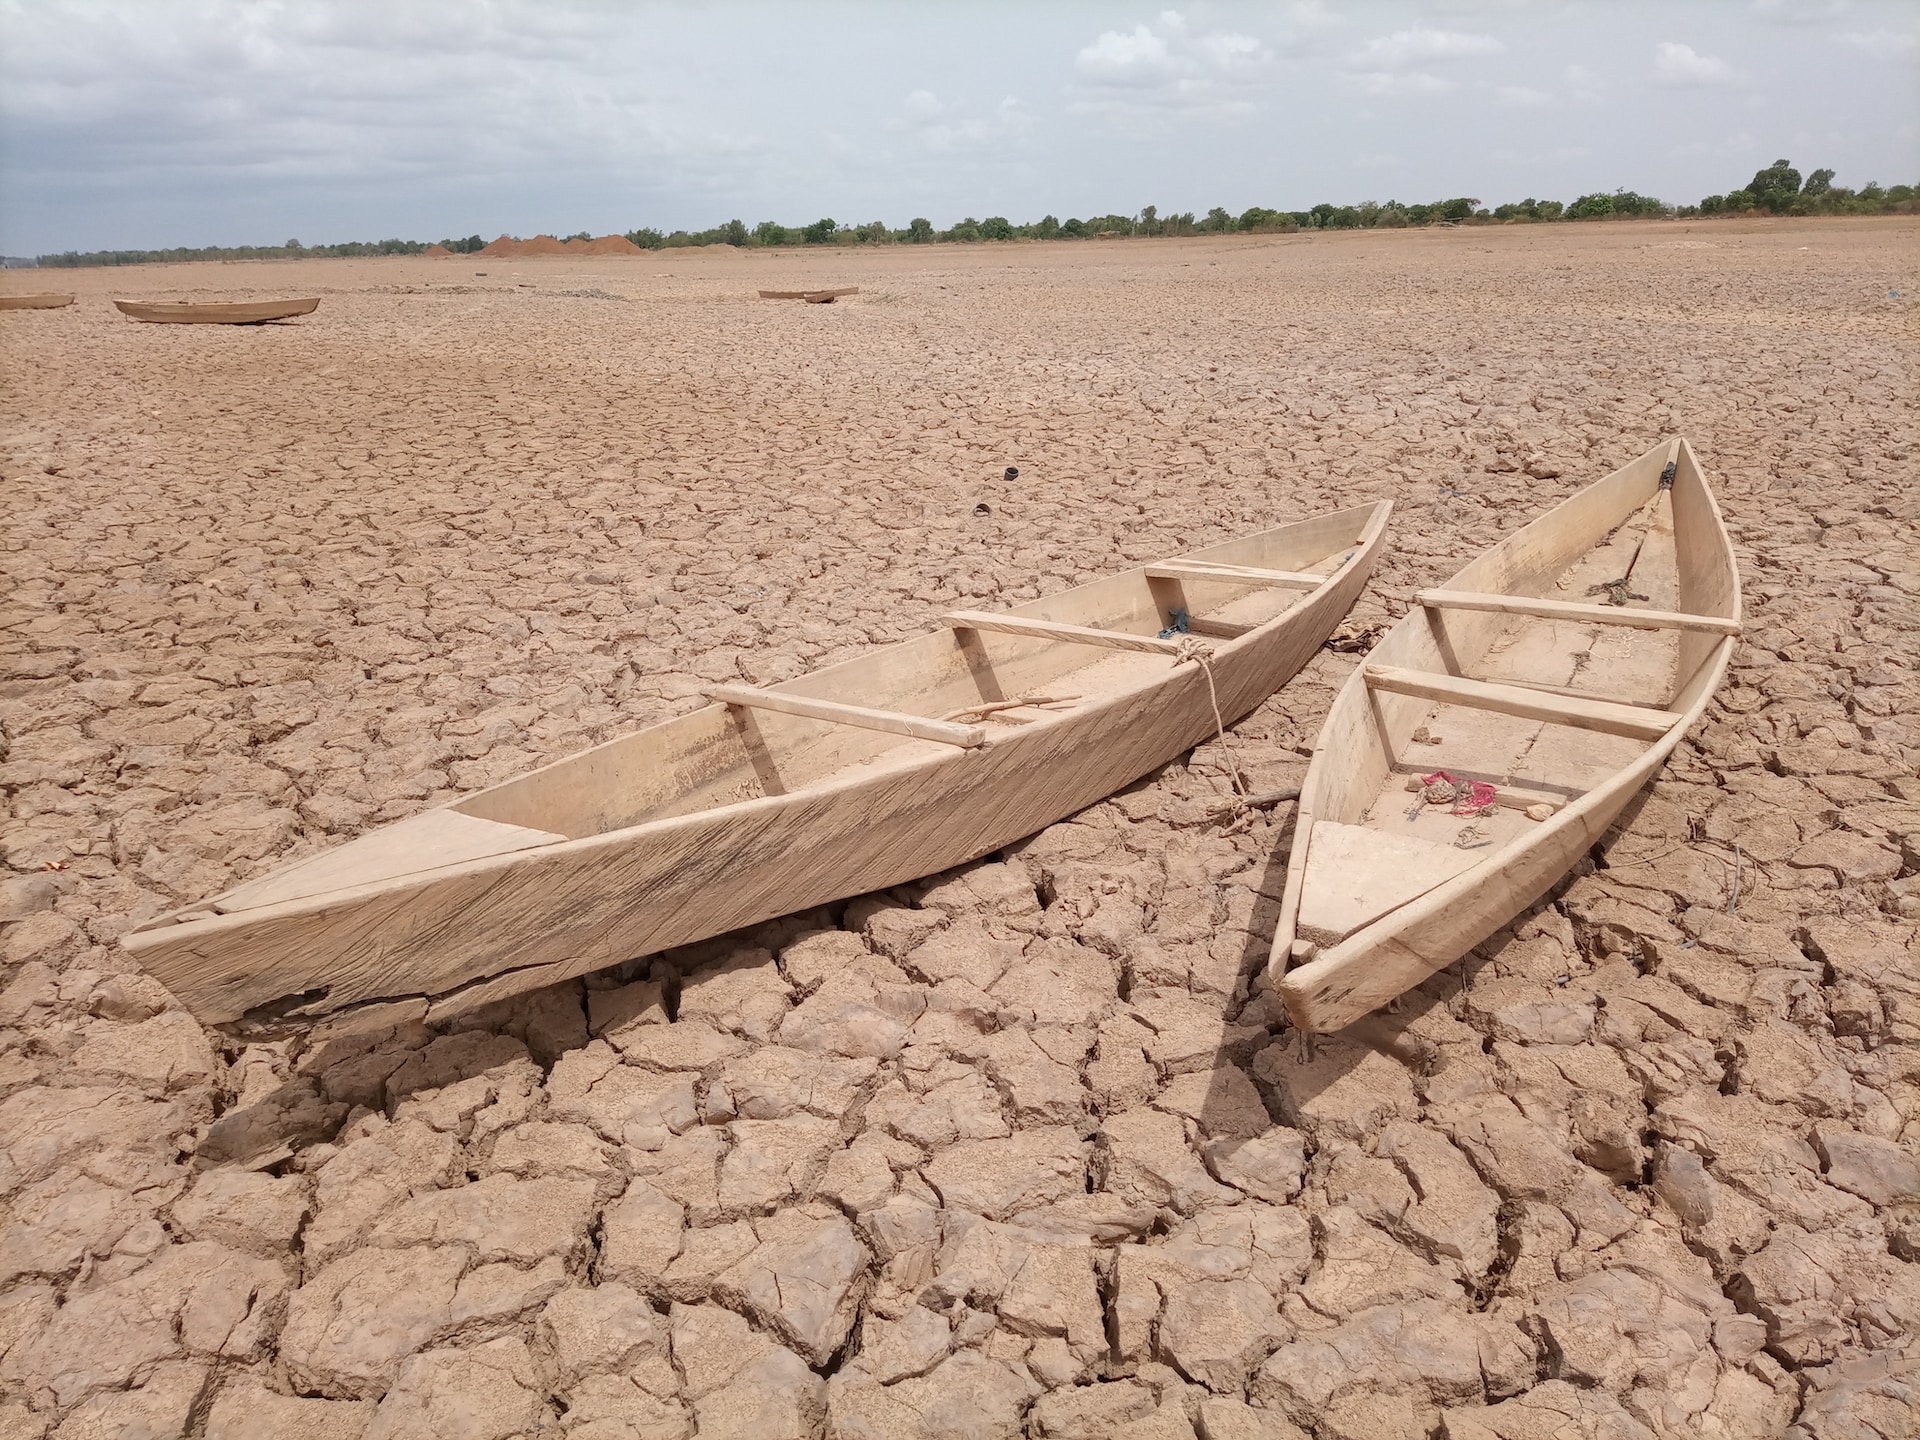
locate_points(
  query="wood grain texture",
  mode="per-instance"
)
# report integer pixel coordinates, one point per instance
(895, 811)
(891, 722)
(1569, 610)
(242, 312)
(1676, 550)
(1058, 631)
(1234, 575)
(1604, 716)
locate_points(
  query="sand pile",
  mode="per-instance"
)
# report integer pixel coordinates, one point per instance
(1026, 1148)
(505, 247)
(437, 252)
(540, 245)
(604, 245)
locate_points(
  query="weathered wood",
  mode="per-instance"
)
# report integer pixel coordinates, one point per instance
(1058, 630)
(1673, 548)
(812, 297)
(839, 713)
(1235, 575)
(1569, 610)
(1216, 629)
(242, 312)
(727, 816)
(1601, 715)
(35, 302)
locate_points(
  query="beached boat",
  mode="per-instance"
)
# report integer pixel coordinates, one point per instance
(812, 297)
(240, 312)
(35, 302)
(1498, 729)
(879, 770)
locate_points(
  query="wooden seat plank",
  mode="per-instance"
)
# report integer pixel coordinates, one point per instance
(1600, 715)
(1570, 610)
(894, 722)
(1219, 574)
(1058, 630)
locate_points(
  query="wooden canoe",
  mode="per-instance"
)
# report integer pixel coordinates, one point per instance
(867, 774)
(241, 312)
(1532, 678)
(35, 302)
(812, 297)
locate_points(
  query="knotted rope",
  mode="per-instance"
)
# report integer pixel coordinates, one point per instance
(1193, 648)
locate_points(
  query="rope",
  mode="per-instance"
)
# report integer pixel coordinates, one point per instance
(1193, 648)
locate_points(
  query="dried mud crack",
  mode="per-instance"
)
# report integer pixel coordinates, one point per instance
(1026, 1148)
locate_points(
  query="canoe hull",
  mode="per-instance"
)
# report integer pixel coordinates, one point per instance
(520, 921)
(250, 312)
(35, 302)
(1365, 969)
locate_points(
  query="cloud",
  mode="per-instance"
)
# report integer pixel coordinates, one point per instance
(1388, 82)
(1579, 83)
(1170, 65)
(949, 128)
(1524, 95)
(1677, 64)
(1899, 46)
(1421, 45)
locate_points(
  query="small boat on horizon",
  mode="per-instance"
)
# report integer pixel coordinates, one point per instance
(897, 764)
(238, 312)
(35, 302)
(812, 297)
(1498, 729)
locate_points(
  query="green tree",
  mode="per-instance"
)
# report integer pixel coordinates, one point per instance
(1461, 208)
(1739, 200)
(874, 232)
(1589, 207)
(1774, 187)
(919, 230)
(581, 235)
(734, 232)
(1076, 228)
(820, 232)
(1818, 183)
(1047, 227)
(646, 238)
(770, 232)
(996, 227)
(967, 230)
(1149, 222)
(1218, 221)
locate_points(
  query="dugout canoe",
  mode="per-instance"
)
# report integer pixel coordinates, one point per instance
(812, 297)
(35, 302)
(240, 312)
(770, 800)
(1560, 668)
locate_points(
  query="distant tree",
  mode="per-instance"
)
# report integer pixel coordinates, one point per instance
(996, 227)
(1552, 209)
(1218, 221)
(647, 238)
(1774, 187)
(1818, 183)
(967, 230)
(1180, 223)
(1258, 217)
(919, 230)
(820, 232)
(1075, 228)
(581, 235)
(734, 232)
(1459, 209)
(1321, 213)
(874, 232)
(769, 232)
(1047, 227)
(294, 245)
(1589, 207)
(1149, 221)
(1741, 200)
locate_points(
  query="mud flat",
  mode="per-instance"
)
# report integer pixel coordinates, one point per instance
(1024, 1143)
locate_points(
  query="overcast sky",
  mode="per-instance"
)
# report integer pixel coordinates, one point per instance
(137, 123)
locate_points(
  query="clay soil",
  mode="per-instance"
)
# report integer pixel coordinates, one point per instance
(1025, 1149)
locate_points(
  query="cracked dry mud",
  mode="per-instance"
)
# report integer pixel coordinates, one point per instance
(1024, 1149)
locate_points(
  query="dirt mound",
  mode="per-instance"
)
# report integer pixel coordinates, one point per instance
(541, 245)
(501, 248)
(605, 245)
(438, 252)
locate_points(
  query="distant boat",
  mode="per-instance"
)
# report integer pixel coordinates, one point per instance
(893, 765)
(34, 302)
(242, 312)
(1496, 731)
(812, 297)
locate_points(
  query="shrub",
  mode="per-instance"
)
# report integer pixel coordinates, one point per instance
(769, 232)
(647, 238)
(1076, 228)
(1589, 207)
(734, 232)
(996, 227)
(820, 232)
(919, 230)
(1461, 208)
(1047, 227)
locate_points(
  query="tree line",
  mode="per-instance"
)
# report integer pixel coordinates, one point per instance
(1779, 189)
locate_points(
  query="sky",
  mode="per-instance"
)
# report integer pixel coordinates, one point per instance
(151, 123)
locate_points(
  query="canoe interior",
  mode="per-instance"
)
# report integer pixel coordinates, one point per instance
(721, 755)
(1374, 847)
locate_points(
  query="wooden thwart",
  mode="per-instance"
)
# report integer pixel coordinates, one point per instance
(891, 721)
(1570, 610)
(1056, 630)
(1601, 715)
(1236, 575)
